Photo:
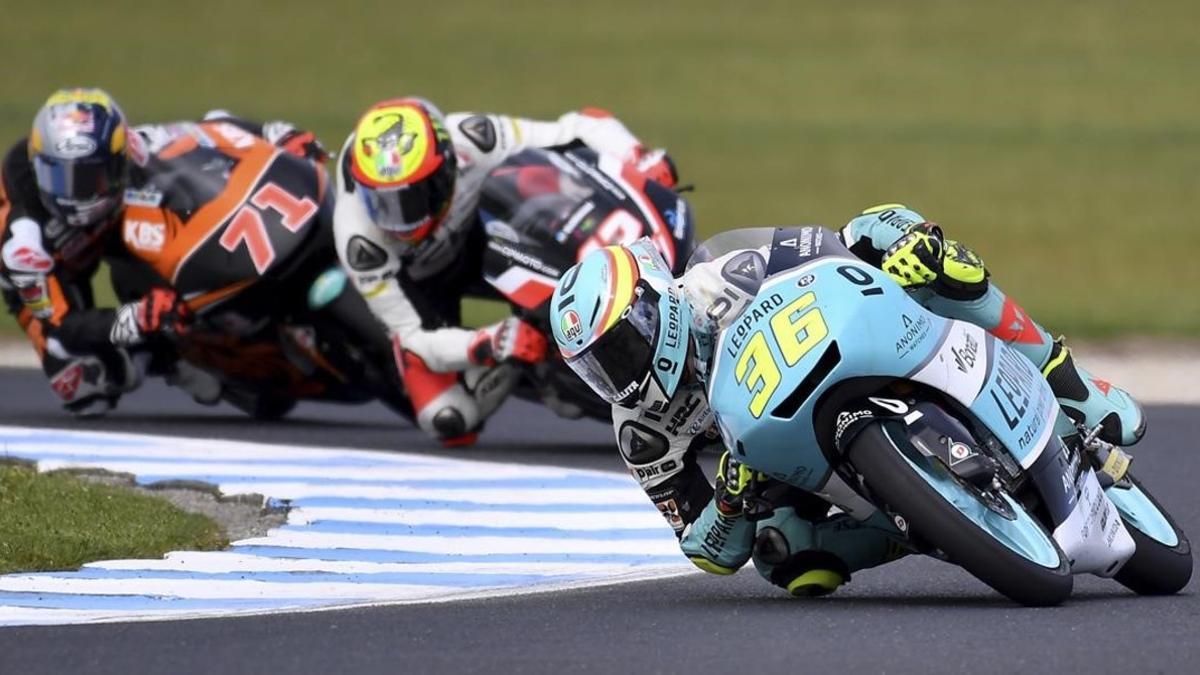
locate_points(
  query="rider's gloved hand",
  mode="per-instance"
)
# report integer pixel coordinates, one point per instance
(924, 257)
(734, 485)
(510, 339)
(721, 539)
(656, 165)
(303, 144)
(161, 312)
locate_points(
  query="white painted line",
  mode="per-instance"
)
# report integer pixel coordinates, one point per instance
(24, 439)
(215, 588)
(20, 615)
(477, 545)
(506, 496)
(645, 519)
(377, 473)
(220, 562)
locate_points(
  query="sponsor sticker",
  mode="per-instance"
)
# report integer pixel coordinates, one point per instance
(145, 235)
(72, 147)
(959, 452)
(570, 324)
(66, 382)
(147, 196)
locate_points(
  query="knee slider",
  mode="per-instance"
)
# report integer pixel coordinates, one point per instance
(770, 546)
(449, 423)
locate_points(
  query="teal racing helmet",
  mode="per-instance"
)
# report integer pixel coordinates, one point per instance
(622, 324)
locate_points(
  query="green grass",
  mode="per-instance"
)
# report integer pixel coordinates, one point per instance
(1060, 138)
(53, 521)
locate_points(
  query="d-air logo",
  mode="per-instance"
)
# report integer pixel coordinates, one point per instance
(479, 129)
(570, 324)
(145, 235)
(363, 254)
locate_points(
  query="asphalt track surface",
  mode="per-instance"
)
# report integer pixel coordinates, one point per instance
(916, 615)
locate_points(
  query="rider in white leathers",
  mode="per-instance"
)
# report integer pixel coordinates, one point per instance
(405, 226)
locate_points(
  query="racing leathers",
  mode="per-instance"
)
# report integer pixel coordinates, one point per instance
(46, 270)
(449, 371)
(800, 546)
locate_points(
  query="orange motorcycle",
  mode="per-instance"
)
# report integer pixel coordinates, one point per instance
(242, 231)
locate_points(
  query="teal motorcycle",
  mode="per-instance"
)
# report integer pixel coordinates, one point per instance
(834, 380)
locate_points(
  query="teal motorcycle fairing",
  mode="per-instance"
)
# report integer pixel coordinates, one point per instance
(820, 317)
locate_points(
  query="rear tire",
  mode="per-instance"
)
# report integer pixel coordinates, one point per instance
(1155, 568)
(934, 520)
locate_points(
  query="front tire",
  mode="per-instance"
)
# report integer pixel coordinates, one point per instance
(895, 480)
(1156, 568)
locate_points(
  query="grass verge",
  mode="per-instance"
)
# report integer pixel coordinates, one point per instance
(54, 521)
(1058, 138)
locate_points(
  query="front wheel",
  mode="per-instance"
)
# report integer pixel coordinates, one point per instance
(1162, 562)
(1000, 544)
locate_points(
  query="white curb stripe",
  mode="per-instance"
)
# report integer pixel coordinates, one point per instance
(465, 545)
(507, 496)
(222, 562)
(595, 520)
(367, 528)
(378, 473)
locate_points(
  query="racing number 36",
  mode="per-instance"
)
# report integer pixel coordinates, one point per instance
(797, 328)
(247, 224)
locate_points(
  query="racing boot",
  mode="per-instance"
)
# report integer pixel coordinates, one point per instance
(1090, 401)
(952, 281)
(803, 574)
(809, 556)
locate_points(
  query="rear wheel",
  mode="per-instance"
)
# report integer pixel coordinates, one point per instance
(1162, 562)
(995, 540)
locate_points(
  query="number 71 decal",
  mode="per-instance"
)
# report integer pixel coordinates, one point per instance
(247, 225)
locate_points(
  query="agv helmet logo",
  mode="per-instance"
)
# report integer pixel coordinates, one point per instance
(570, 324)
(390, 146)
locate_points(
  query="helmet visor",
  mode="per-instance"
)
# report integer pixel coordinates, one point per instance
(408, 212)
(617, 365)
(76, 180)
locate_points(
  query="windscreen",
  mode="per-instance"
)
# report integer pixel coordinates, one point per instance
(787, 247)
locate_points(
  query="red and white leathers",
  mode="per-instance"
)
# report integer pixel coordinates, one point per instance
(404, 286)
